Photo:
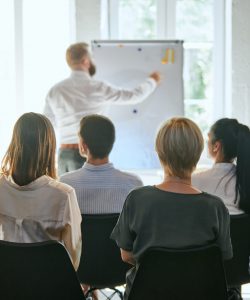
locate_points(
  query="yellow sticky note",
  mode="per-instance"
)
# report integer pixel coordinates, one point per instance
(168, 57)
(165, 58)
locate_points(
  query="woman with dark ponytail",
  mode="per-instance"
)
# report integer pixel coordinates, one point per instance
(229, 178)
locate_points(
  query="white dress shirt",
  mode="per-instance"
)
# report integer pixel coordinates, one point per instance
(101, 189)
(44, 209)
(79, 95)
(220, 180)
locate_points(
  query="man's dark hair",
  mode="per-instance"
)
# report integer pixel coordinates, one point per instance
(98, 133)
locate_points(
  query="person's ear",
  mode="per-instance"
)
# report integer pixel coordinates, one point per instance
(82, 147)
(216, 147)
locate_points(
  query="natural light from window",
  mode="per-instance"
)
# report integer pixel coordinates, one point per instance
(7, 72)
(34, 36)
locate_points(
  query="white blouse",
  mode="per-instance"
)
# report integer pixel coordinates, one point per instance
(44, 209)
(220, 180)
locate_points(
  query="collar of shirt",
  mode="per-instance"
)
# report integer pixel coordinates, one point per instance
(39, 182)
(103, 167)
(224, 166)
(79, 73)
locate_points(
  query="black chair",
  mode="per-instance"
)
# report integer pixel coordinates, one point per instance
(37, 271)
(101, 265)
(195, 274)
(237, 269)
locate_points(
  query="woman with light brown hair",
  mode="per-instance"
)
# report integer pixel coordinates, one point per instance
(172, 214)
(34, 206)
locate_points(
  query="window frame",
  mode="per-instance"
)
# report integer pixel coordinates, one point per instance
(166, 24)
(19, 54)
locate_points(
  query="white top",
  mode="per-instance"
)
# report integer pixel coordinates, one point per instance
(43, 210)
(79, 95)
(101, 189)
(220, 180)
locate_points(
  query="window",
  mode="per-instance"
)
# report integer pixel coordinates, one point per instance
(192, 21)
(142, 14)
(44, 44)
(35, 35)
(194, 25)
(7, 72)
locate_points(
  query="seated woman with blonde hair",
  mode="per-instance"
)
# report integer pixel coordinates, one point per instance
(173, 213)
(34, 206)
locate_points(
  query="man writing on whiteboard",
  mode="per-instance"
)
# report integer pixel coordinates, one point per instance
(79, 95)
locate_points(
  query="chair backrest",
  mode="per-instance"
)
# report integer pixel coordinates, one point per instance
(180, 274)
(101, 264)
(37, 271)
(237, 269)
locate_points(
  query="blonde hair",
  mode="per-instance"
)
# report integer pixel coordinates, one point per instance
(179, 144)
(31, 152)
(76, 52)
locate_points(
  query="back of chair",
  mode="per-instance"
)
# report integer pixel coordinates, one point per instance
(37, 271)
(180, 274)
(101, 263)
(237, 269)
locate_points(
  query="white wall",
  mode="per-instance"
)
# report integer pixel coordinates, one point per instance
(88, 20)
(241, 60)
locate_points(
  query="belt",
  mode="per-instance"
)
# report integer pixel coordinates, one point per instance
(69, 146)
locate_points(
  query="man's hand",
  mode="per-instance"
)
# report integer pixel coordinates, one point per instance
(156, 76)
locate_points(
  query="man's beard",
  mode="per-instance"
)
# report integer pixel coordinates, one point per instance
(92, 69)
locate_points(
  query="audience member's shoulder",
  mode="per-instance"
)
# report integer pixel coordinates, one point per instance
(139, 195)
(130, 177)
(214, 200)
(60, 187)
(141, 191)
(70, 176)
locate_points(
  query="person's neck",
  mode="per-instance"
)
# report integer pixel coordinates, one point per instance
(177, 180)
(80, 68)
(176, 184)
(221, 159)
(97, 161)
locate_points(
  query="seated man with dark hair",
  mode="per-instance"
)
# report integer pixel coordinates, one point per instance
(100, 188)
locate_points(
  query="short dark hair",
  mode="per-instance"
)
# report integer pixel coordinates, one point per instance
(98, 133)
